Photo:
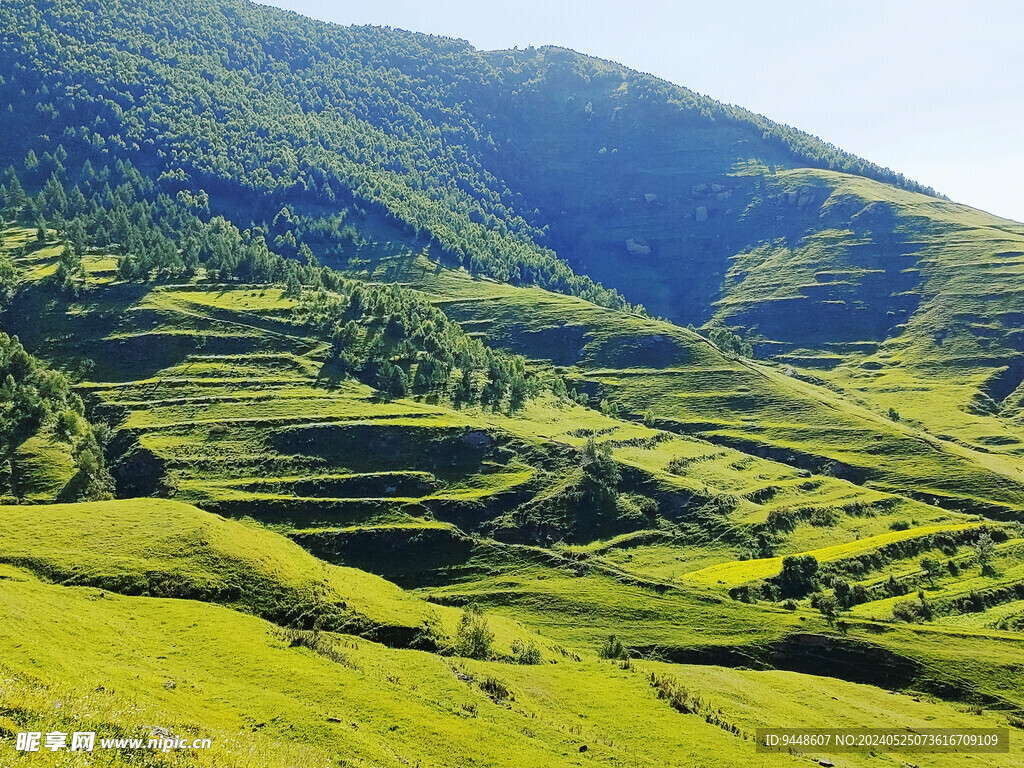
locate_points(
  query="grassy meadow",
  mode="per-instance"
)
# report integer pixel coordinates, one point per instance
(335, 539)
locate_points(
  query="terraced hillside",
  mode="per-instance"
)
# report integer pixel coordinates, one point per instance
(238, 412)
(678, 381)
(331, 699)
(320, 438)
(222, 395)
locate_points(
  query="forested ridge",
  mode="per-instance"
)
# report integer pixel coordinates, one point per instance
(34, 398)
(349, 322)
(265, 110)
(384, 335)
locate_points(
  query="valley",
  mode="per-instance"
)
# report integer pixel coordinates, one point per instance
(372, 400)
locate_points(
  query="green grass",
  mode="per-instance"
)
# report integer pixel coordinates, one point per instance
(166, 548)
(656, 370)
(205, 670)
(226, 393)
(735, 573)
(224, 389)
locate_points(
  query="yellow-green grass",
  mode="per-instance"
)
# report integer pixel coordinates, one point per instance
(937, 367)
(791, 420)
(183, 392)
(652, 368)
(740, 572)
(579, 604)
(946, 590)
(977, 664)
(202, 670)
(160, 547)
(246, 398)
(990, 618)
(667, 562)
(41, 467)
(800, 701)
(950, 406)
(1006, 554)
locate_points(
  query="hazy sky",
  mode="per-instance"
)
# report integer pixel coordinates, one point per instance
(931, 88)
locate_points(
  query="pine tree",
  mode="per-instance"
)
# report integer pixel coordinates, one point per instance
(77, 238)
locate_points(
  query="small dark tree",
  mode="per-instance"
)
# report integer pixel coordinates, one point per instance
(985, 549)
(474, 636)
(292, 286)
(612, 648)
(829, 607)
(598, 492)
(392, 380)
(843, 593)
(932, 569)
(799, 575)
(77, 238)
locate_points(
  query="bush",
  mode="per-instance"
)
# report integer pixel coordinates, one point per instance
(635, 509)
(525, 653)
(678, 697)
(984, 548)
(494, 688)
(893, 587)
(829, 607)
(474, 637)
(744, 593)
(911, 610)
(612, 649)
(843, 593)
(799, 575)
(932, 569)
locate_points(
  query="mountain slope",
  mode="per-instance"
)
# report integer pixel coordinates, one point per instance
(340, 285)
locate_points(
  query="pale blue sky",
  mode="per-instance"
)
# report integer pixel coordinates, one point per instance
(931, 88)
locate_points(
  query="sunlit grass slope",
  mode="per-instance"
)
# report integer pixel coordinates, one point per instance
(679, 381)
(200, 670)
(162, 548)
(203, 670)
(221, 398)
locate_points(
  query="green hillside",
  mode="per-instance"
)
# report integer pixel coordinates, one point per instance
(367, 399)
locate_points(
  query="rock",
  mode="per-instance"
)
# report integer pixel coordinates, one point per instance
(701, 214)
(477, 439)
(636, 248)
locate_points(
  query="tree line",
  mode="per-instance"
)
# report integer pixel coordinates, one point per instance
(384, 335)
